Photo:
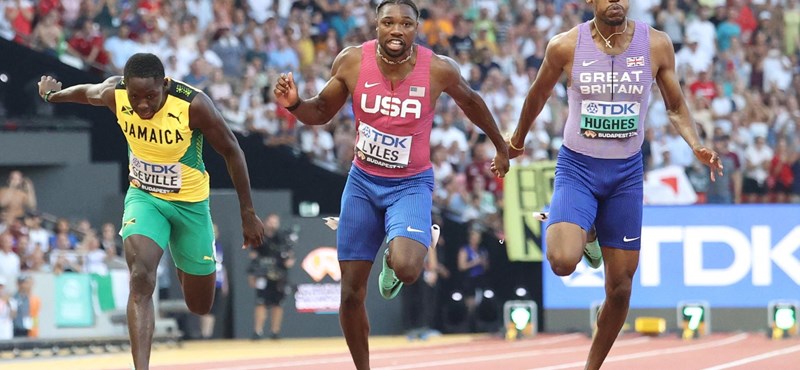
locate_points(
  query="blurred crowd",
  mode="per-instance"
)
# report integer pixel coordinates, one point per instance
(736, 59)
(31, 242)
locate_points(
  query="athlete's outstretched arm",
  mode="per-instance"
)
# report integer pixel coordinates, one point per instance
(204, 117)
(320, 109)
(101, 94)
(445, 70)
(663, 55)
(556, 57)
(677, 110)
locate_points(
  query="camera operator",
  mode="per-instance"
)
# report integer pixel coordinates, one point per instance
(268, 275)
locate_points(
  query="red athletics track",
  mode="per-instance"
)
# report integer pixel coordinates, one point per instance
(546, 351)
(551, 352)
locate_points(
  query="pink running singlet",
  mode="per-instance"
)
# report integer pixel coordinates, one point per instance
(393, 127)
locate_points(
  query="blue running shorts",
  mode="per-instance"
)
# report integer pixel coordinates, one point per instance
(374, 208)
(605, 192)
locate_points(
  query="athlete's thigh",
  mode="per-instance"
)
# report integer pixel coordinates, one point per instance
(573, 195)
(192, 241)
(354, 280)
(409, 215)
(360, 232)
(619, 217)
(144, 215)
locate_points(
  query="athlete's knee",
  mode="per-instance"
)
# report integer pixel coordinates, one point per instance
(620, 293)
(407, 263)
(561, 263)
(353, 296)
(562, 270)
(407, 270)
(143, 281)
(408, 275)
(142, 266)
(199, 307)
(564, 248)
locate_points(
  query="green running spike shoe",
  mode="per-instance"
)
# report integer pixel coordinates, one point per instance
(388, 283)
(593, 254)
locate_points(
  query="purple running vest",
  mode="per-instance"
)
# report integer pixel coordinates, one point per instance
(609, 96)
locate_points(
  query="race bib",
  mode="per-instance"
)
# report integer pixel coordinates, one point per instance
(160, 178)
(382, 149)
(609, 120)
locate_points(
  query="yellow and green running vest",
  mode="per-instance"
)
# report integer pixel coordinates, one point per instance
(165, 156)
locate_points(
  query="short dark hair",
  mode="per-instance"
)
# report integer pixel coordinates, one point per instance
(398, 2)
(143, 65)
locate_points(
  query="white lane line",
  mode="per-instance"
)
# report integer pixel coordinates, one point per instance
(502, 356)
(536, 342)
(657, 352)
(760, 357)
(321, 361)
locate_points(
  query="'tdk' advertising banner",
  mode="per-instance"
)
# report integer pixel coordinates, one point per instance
(730, 256)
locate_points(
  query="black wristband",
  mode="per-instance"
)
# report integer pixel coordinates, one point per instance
(294, 106)
(46, 95)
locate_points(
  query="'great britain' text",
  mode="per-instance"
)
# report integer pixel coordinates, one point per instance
(611, 82)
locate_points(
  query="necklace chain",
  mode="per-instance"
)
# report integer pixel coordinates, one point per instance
(387, 61)
(608, 39)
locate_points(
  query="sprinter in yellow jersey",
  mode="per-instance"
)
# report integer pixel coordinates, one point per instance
(164, 122)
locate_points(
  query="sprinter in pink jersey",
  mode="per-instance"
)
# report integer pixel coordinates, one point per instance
(611, 62)
(394, 85)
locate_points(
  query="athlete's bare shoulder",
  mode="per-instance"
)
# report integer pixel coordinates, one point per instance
(105, 92)
(445, 72)
(567, 38)
(113, 80)
(661, 49)
(350, 53)
(659, 39)
(346, 60)
(562, 46)
(110, 84)
(444, 65)
(347, 66)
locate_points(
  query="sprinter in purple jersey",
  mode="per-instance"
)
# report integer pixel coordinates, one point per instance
(611, 63)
